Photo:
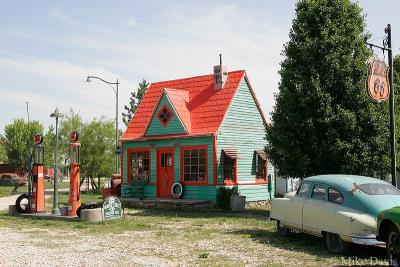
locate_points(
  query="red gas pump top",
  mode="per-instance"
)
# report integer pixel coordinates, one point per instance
(38, 139)
(74, 136)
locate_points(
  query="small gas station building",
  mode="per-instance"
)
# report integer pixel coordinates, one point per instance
(205, 132)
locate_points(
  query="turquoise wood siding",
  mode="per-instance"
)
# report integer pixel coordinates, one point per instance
(190, 192)
(243, 128)
(174, 126)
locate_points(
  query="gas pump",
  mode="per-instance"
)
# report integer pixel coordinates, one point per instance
(74, 188)
(38, 200)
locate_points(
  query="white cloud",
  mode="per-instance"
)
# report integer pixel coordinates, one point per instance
(186, 44)
(132, 21)
(47, 84)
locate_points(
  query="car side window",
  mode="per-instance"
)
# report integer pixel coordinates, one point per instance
(303, 190)
(335, 196)
(318, 192)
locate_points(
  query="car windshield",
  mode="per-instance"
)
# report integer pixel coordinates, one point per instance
(379, 189)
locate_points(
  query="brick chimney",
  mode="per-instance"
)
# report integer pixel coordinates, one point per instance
(220, 74)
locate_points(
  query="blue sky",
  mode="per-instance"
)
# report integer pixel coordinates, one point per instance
(47, 48)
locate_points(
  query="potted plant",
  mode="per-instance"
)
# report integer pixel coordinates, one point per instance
(229, 198)
(237, 202)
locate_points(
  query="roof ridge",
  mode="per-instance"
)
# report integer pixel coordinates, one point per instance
(189, 78)
(176, 90)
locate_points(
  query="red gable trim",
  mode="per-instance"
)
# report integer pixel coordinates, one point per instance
(178, 100)
(153, 113)
(165, 92)
(255, 100)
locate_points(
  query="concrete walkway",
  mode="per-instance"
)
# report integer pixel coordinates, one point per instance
(10, 200)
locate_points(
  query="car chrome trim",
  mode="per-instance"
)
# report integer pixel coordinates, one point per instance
(369, 240)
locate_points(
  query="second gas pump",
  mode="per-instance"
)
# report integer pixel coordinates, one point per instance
(74, 191)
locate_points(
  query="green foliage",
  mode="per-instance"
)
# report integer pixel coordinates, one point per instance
(49, 142)
(97, 148)
(396, 82)
(323, 121)
(224, 196)
(135, 99)
(71, 122)
(18, 142)
(3, 153)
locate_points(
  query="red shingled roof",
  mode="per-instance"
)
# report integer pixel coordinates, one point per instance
(180, 100)
(200, 107)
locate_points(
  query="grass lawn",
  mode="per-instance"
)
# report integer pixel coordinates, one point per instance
(214, 238)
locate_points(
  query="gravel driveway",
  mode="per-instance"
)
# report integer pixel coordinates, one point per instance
(64, 248)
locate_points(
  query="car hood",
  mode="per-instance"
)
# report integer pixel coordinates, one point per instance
(377, 203)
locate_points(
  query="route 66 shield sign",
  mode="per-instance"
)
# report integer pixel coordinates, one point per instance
(377, 80)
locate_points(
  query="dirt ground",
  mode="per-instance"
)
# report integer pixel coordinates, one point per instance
(155, 238)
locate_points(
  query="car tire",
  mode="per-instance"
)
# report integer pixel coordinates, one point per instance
(18, 206)
(281, 230)
(335, 244)
(393, 246)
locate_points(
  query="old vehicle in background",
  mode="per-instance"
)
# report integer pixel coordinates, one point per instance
(11, 179)
(114, 188)
(342, 209)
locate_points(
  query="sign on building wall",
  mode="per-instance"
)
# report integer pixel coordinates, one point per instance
(112, 208)
(377, 80)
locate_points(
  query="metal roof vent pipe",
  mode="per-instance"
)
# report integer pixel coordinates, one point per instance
(220, 74)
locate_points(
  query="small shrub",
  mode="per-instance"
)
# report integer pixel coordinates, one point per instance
(224, 196)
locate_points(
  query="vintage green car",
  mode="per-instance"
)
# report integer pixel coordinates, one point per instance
(342, 209)
(388, 231)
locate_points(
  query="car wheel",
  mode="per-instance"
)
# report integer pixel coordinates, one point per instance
(335, 244)
(281, 230)
(393, 247)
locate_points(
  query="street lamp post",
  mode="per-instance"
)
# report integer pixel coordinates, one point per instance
(88, 79)
(27, 110)
(56, 211)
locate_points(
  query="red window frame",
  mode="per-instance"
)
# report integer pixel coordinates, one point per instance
(128, 159)
(183, 148)
(260, 180)
(159, 115)
(232, 180)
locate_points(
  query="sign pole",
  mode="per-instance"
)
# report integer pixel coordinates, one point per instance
(388, 30)
(373, 89)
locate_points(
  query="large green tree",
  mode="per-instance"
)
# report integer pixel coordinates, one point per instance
(135, 99)
(396, 80)
(49, 142)
(323, 121)
(3, 153)
(72, 122)
(18, 142)
(97, 150)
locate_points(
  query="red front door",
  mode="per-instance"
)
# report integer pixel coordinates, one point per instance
(165, 171)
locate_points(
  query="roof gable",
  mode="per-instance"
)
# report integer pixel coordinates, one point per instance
(201, 115)
(180, 101)
(173, 126)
